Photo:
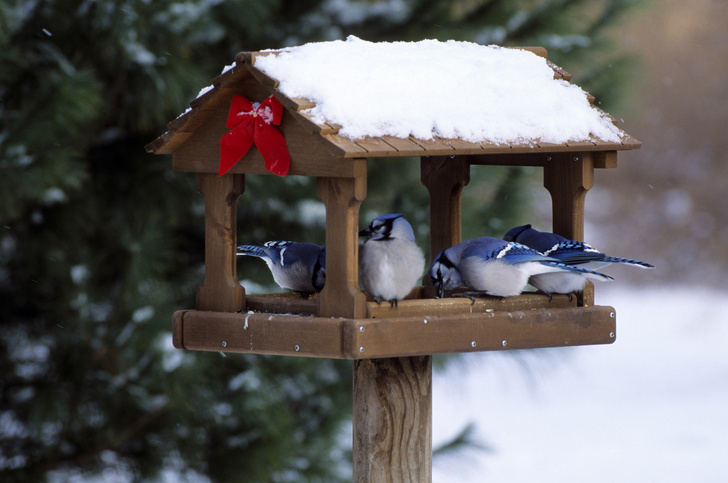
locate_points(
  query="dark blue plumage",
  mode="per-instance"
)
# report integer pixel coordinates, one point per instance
(571, 252)
(297, 266)
(496, 267)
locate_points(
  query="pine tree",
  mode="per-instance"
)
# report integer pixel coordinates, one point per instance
(100, 242)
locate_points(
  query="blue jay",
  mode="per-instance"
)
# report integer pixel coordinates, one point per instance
(570, 252)
(300, 267)
(390, 262)
(496, 267)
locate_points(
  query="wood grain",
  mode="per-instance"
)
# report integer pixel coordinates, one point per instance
(393, 420)
(412, 335)
(444, 178)
(462, 304)
(220, 290)
(341, 296)
(568, 177)
(256, 333)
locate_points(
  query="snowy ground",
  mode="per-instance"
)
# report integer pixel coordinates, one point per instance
(653, 406)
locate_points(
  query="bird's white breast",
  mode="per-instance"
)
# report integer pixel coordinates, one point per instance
(390, 269)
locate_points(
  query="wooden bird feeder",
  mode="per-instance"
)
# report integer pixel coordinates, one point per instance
(391, 348)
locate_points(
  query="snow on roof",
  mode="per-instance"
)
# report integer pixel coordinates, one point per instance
(431, 88)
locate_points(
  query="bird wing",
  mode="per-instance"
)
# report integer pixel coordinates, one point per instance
(574, 252)
(541, 241)
(294, 252)
(509, 252)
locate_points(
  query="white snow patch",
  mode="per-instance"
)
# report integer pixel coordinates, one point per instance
(185, 112)
(54, 195)
(143, 314)
(79, 273)
(431, 88)
(650, 407)
(204, 91)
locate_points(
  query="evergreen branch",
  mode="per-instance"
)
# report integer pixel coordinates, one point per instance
(464, 440)
(114, 444)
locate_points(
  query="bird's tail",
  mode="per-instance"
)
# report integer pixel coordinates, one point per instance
(627, 261)
(571, 268)
(251, 250)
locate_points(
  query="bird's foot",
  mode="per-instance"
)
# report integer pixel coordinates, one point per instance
(471, 295)
(549, 295)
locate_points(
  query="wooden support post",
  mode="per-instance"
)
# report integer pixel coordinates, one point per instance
(568, 176)
(444, 177)
(341, 296)
(393, 420)
(221, 291)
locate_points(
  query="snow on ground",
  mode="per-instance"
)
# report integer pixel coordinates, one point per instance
(653, 406)
(449, 89)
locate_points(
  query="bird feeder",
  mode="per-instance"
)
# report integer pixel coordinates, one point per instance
(391, 348)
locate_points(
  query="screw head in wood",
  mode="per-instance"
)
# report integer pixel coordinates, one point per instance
(224, 343)
(296, 348)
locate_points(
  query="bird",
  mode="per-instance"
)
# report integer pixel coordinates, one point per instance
(570, 252)
(297, 266)
(496, 267)
(390, 262)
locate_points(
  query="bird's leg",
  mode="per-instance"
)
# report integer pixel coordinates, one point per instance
(550, 295)
(393, 303)
(471, 295)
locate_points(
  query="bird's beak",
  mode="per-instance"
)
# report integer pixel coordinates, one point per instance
(365, 232)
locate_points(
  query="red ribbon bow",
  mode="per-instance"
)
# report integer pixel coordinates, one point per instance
(252, 123)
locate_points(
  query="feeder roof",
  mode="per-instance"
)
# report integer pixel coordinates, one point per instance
(363, 99)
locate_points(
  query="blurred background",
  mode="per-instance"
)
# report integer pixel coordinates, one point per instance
(101, 242)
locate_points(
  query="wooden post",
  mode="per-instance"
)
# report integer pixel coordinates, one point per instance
(393, 420)
(568, 176)
(341, 296)
(221, 291)
(444, 177)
